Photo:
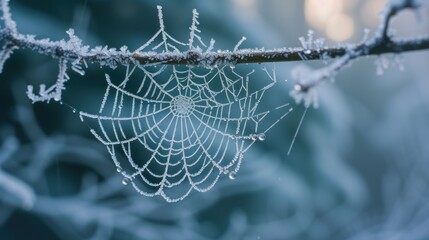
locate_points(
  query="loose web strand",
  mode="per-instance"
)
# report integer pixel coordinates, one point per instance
(297, 130)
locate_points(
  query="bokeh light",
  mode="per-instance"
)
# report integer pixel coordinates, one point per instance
(370, 11)
(330, 16)
(318, 12)
(340, 27)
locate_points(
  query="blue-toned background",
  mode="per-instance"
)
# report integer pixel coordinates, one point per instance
(358, 170)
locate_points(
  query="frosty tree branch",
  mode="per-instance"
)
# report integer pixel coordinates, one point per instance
(105, 56)
(114, 57)
(73, 51)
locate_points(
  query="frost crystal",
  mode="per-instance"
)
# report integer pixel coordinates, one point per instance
(310, 42)
(382, 64)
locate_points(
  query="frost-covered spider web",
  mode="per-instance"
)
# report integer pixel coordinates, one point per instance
(172, 129)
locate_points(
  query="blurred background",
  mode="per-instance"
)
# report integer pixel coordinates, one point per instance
(358, 170)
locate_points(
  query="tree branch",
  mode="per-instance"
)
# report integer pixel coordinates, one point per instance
(113, 57)
(73, 51)
(103, 55)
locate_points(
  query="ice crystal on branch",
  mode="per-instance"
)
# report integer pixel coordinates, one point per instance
(53, 92)
(302, 90)
(310, 43)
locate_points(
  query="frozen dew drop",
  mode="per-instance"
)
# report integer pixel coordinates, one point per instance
(119, 169)
(254, 137)
(232, 175)
(57, 98)
(125, 181)
(307, 51)
(74, 110)
(261, 137)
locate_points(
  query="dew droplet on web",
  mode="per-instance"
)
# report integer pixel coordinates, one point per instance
(232, 175)
(125, 181)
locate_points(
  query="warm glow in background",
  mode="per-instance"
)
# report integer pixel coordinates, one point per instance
(336, 17)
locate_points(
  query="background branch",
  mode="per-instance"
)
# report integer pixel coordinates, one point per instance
(382, 43)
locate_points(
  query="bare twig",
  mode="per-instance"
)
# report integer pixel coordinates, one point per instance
(382, 43)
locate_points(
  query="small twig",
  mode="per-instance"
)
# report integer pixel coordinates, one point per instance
(10, 25)
(392, 8)
(381, 44)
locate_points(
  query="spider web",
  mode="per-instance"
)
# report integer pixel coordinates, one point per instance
(173, 129)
